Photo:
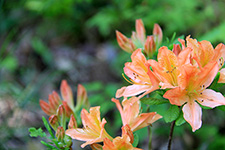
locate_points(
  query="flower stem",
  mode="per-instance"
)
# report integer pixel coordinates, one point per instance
(149, 138)
(171, 135)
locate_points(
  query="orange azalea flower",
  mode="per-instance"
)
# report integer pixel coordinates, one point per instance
(196, 81)
(121, 143)
(169, 66)
(130, 114)
(203, 52)
(93, 130)
(140, 75)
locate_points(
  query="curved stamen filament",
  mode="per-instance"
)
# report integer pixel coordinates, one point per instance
(132, 81)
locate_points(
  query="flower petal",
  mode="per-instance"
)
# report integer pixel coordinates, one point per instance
(222, 76)
(193, 114)
(176, 96)
(134, 89)
(143, 120)
(211, 98)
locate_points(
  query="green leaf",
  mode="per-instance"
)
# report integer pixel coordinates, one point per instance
(136, 140)
(171, 114)
(153, 101)
(180, 120)
(49, 146)
(41, 49)
(10, 63)
(221, 107)
(36, 132)
(204, 107)
(48, 127)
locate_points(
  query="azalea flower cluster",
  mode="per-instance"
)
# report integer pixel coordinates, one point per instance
(93, 130)
(183, 73)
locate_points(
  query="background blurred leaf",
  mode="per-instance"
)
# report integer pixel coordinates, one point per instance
(36, 132)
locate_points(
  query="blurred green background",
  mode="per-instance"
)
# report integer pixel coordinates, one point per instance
(45, 41)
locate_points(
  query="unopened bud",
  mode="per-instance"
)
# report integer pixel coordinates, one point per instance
(125, 43)
(46, 107)
(61, 114)
(72, 123)
(54, 100)
(158, 35)
(150, 46)
(60, 134)
(140, 31)
(67, 109)
(67, 93)
(53, 121)
(176, 49)
(82, 99)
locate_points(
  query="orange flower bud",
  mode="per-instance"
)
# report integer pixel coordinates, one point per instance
(68, 110)
(54, 101)
(67, 94)
(72, 123)
(82, 99)
(140, 30)
(61, 114)
(125, 43)
(157, 32)
(53, 121)
(46, 107)
(60, 133)
(150, 46)
(176, 49)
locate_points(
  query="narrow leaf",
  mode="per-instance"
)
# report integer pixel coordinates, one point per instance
(49, 146)
(48, 127)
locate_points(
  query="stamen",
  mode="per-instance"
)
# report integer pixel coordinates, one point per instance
(126, 79)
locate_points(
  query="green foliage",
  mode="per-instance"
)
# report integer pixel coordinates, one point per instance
(36, 132)
(42, 50)
(9, 62)
(171, 114)
(216, 34)
(136, 140)
(48, 127)
(153, 101)
(221, 107)
(180, 120)
(60, 145)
